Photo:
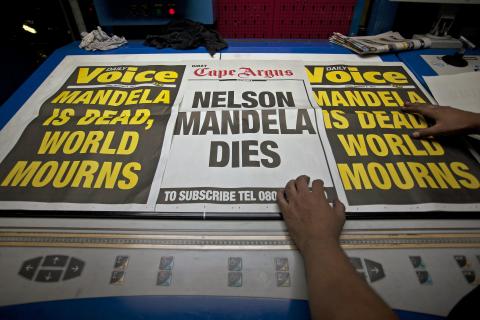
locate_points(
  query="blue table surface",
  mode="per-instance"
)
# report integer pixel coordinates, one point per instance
(173, 307)
(11, 106)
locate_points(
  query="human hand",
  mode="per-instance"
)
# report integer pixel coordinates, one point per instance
(448, 120)
(313, 224)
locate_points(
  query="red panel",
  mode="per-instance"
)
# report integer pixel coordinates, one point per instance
(245, 18)
(283, 19)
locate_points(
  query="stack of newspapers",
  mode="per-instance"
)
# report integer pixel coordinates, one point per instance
(381, 43)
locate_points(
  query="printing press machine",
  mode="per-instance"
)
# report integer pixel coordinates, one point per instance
(64, 265)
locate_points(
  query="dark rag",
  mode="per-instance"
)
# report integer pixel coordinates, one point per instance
(186, 34)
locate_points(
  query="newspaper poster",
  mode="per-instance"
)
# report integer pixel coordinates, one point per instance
(377, 164)
(91, 136)
(243, 130)
(133, 133)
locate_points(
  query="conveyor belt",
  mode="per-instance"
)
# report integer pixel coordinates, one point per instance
(233, 242)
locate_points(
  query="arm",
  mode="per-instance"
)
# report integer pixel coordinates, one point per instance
(448, 120)
(335, 289)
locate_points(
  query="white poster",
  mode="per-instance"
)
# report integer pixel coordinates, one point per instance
(244, 129)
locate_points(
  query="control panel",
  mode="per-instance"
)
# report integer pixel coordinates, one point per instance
(425, 270)
(431, 281)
